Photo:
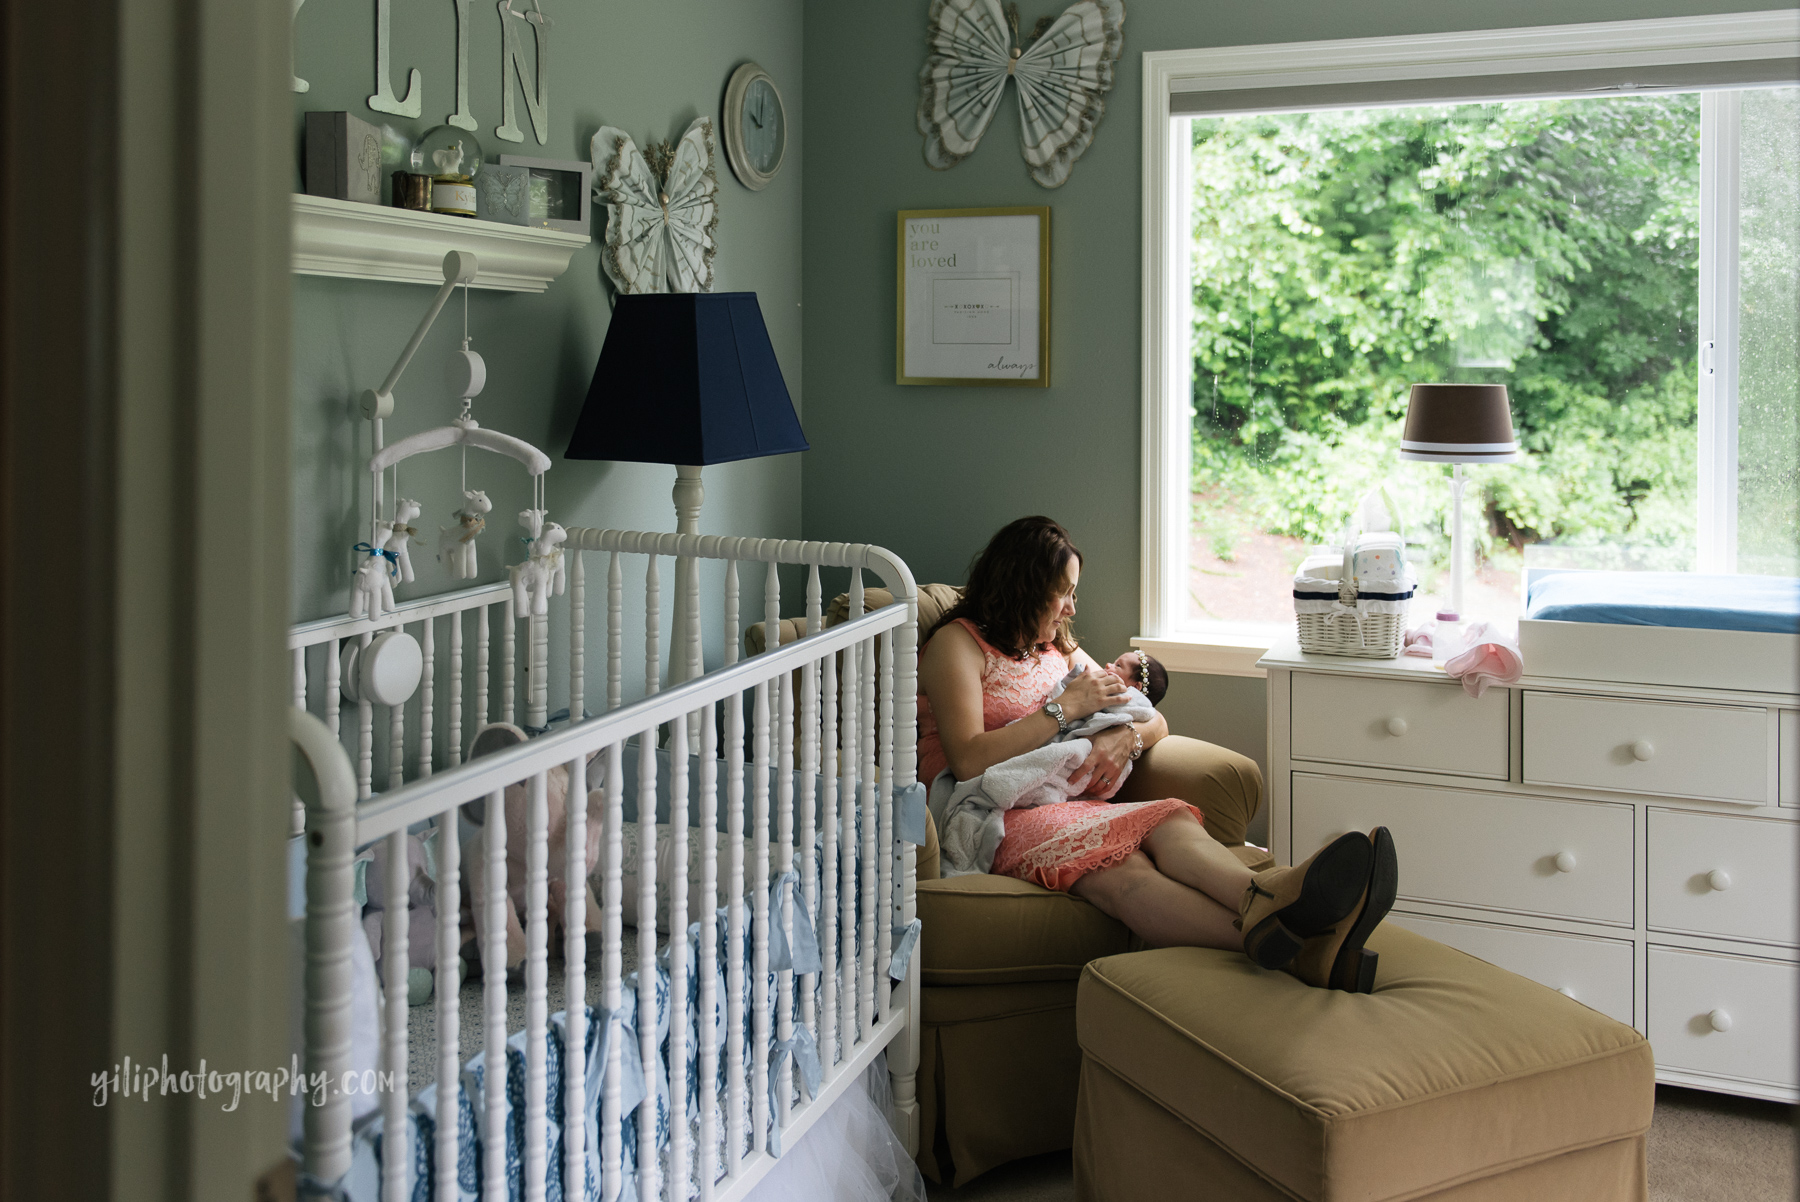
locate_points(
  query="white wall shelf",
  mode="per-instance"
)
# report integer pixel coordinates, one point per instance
(373, 242)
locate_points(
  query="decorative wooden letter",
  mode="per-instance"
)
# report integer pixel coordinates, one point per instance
(300, 85)
(462, 118)
(512, 66)
(384, 100)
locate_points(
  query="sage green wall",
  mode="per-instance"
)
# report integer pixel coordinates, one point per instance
(931, 472)
(649, 69)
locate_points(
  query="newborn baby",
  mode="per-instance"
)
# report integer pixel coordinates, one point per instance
(1141, 671)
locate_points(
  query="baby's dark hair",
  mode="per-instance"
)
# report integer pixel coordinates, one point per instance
(1153, 678)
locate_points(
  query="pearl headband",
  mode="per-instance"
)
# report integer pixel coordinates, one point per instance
(1144, 671)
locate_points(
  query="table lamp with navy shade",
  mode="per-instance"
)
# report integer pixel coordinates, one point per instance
(689, 379)
(1458, 424)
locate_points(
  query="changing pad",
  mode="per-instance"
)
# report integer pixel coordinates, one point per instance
(1761, 603)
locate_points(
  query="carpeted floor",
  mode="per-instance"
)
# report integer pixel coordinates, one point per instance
(1704, 1147)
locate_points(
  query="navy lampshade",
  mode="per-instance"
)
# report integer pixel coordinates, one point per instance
(687, 378)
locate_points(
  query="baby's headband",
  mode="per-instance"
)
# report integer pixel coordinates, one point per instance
(1144, 670)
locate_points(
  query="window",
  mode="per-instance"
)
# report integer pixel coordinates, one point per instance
(1622, 261)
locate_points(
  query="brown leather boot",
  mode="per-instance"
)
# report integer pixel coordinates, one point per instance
(1336, 958)
(1283, 907)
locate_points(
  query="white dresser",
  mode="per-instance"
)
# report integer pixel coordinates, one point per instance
(1633, 846)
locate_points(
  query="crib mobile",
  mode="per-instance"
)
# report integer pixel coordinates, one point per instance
(387, 669)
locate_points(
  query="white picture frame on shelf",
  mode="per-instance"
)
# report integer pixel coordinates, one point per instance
(973, 303)
(561, 192)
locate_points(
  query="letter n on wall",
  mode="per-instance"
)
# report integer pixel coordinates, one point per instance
(512, 66)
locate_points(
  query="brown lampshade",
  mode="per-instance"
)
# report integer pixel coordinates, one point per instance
(1458, 423)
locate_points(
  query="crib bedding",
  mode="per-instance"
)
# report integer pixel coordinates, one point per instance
(1768, 604)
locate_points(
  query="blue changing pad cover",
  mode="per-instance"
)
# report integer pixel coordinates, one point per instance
(1761, 603)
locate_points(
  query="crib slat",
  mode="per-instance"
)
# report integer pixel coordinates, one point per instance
(615, 634)
(427, 717)
(449, 1008)
(850, 986)
(652, 627)
(537, 976)
(574, 917)
(809, 779)
(904, 1063)
(759, 931)
(865, 726)
(483, 700)
(612, 891)
(646, 944)
(396, 746)
(334, 686)
(708, 1092)
(396, 1161)
(830, 978)
(577, 636)
(297, 825)
(493, 992)
(537, 672)
(453, 753)
(784, 862)
(734, 919)
(365, 738)
(680, 818)
(509, 667)
(884, 837)
(731, 611)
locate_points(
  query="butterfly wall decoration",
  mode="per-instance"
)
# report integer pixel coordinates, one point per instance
(1062, 73)
(662, 207)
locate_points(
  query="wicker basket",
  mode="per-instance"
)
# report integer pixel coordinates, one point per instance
(1366, 627)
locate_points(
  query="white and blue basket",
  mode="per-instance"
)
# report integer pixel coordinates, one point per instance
(1338, 615)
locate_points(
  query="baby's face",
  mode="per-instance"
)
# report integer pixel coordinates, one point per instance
(1126, 669)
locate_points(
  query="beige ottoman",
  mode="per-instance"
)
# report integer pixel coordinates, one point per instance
(1204, 1076)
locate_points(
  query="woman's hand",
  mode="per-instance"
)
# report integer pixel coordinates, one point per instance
(1112, 751)
(1090, 693)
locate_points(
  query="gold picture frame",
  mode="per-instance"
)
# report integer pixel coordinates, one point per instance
(972, 299)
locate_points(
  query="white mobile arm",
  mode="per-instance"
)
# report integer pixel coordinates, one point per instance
(459, 268)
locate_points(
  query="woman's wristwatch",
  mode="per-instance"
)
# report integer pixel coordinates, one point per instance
(1056, 711)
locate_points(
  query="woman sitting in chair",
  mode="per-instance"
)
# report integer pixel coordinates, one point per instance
(986, 675)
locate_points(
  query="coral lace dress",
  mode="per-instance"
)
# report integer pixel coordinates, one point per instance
(1054, 845)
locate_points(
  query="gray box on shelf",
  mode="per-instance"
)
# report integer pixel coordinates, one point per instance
(560, 192)
(343, 158)
(503, 194)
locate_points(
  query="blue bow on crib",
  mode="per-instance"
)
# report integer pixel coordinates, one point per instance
(393, 557)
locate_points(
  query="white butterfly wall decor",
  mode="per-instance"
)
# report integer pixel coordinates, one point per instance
(1062, 77)
(662, 207)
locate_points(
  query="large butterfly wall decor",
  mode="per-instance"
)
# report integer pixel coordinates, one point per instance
(662, 207)
(1062, 72)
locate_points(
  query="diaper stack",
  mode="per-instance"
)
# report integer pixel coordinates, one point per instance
(1352, 600)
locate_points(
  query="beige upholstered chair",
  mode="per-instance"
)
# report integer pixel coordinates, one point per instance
(999, 1065)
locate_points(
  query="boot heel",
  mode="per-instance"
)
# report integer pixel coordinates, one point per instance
(1365, 971)
(1270, 944)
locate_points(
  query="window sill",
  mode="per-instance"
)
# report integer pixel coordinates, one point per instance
(1224, 650)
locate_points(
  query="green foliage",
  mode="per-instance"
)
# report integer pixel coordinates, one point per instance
(1552, 246)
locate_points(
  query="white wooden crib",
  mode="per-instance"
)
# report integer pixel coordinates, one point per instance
(827, 818)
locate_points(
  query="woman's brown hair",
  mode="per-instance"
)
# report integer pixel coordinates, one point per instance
(1015, 577)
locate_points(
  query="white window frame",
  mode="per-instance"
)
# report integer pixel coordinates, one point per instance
(1363, 66)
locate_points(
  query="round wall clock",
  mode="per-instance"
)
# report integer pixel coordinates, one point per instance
(755, 126)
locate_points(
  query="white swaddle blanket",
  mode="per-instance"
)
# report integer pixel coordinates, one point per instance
(969, 813)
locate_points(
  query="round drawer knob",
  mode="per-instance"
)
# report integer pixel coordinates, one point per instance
(1396, 726)
(1719, 879)
(1720, 1020)
(1567, 992)
(1565, 861)
(1642, 750)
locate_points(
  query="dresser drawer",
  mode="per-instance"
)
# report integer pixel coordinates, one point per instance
(1428, 725)
(1482, 849)
(1693, 994)
(1719, 874)
(1595, 972)
(1714, 752)
(1789, 726)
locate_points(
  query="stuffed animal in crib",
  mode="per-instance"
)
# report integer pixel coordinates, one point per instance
(542, 574)
(401, 532)
(498, 736)
(372, 594)
(421, 919)
(456, 545)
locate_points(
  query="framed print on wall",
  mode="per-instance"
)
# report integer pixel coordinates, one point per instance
(974, 297)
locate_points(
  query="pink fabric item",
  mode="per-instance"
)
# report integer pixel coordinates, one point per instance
(1054, 845)
(1418, 640)
(1491, 659)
